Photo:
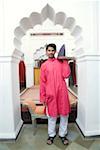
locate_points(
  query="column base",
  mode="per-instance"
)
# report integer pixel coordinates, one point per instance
(86, 133)
(12, 135)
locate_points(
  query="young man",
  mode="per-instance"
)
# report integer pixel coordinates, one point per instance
(54, 93)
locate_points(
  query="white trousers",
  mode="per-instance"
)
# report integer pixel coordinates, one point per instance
(62, 126)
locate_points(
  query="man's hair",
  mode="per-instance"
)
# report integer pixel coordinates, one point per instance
(51, 45)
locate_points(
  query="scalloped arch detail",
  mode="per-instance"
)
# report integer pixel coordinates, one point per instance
(36, 18)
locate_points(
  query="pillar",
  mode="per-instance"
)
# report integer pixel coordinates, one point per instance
(10, 111)
(88, 118)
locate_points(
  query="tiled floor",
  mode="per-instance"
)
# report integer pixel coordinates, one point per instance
(27, 141)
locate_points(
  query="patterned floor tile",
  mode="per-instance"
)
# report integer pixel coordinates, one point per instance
(27, 141)
(95, 145)
(84, 142)
(72, 135)
(3, 147)
(75, 146)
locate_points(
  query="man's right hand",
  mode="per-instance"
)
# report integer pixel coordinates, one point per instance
(44, 103)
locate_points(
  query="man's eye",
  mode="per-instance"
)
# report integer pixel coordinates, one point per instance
(50, 50)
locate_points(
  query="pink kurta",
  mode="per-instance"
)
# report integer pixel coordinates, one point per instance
(53, 89)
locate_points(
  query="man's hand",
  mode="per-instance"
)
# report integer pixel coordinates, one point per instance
(44, 103)
(62, 57)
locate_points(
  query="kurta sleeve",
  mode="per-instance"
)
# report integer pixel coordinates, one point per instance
(42, 84)
(65, 69)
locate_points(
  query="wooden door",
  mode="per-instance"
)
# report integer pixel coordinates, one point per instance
(36, 76)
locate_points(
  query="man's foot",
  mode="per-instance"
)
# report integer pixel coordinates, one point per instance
(50, 140)
(64, 140)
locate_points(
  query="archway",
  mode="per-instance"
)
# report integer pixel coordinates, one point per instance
(59, 18)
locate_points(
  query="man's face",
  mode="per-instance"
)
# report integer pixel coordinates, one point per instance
(50, 52)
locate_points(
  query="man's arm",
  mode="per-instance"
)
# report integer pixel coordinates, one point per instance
(65, 69)
(42, 84)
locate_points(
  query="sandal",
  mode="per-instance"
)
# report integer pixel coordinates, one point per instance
(64, 140)
(50, 140)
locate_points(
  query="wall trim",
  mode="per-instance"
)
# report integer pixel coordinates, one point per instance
(83, 58)
(15, 57)
(11, 135)
(86, 133)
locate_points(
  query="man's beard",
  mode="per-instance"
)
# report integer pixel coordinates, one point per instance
(51, 56)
